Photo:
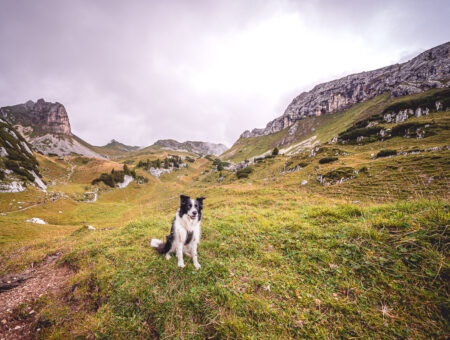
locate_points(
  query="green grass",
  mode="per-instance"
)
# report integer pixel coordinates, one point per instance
(275, 264)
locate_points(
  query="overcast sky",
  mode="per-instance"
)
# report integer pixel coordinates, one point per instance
(139, 71)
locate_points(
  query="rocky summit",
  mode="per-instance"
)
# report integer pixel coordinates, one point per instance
(46, 127)
(430, 69)
(43, 117)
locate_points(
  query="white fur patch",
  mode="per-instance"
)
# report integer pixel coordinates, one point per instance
(155, 242)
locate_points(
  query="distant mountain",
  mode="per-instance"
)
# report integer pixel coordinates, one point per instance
(46, 127)
(202, 148)
(430, 69)
(17, 162)
(115, 145)
(115, 149)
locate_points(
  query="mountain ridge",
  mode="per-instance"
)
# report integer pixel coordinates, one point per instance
(430, 69)
(204, 148)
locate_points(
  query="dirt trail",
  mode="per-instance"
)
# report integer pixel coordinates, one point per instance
(18, 292)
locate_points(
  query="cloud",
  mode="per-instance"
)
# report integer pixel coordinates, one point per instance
(139, 71)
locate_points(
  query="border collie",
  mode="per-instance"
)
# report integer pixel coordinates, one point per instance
(184, 235)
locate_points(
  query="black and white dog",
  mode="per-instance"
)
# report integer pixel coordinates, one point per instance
(184, 235)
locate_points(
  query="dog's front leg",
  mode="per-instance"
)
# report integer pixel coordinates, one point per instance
(194, 256)
(180, 254)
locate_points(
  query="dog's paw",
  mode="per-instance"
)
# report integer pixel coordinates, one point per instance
(167, 256)
(181, 265)
(197, 266)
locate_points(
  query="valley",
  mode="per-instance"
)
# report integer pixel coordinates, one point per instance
(335, 226)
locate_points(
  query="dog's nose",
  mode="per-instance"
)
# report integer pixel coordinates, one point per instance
(194, 213)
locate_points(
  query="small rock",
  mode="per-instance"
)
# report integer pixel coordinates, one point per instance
(304, 182)
(90, 227)
(299, 323)
(4, 321)
(17, 327)
(60, 212)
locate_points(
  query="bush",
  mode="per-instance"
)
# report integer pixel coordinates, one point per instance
(386, 153)
(406, 129)
(351, 134)
(303, 164)
(328, 160)
(243, 173)
(275, 152)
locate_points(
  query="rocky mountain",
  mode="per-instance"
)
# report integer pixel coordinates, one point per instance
(46, 127)
(430, 69)
(202, 148)
(18, 165)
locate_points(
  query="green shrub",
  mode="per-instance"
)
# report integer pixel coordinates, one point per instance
(303, 164)
(405, 129)
(327, 160)
(275, 152)
(244, 173)
(386, 153)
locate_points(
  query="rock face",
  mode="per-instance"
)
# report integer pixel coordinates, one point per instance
(430, 69)
(203, 148)
(42, 116)
(46, 127)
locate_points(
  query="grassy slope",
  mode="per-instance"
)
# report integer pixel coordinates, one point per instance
(324, 127)
(276, 264)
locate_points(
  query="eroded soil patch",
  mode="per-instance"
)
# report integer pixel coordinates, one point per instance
(19, 293)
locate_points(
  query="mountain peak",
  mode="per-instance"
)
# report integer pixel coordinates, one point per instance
(430, 69)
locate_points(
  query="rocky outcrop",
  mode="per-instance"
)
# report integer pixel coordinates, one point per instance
(46, 127)
(430, 69)
(202, 148)
(42, 117)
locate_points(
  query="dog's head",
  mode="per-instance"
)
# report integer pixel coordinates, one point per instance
(191, 207)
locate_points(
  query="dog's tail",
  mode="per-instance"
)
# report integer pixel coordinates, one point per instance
(161, 247)
(155, 242)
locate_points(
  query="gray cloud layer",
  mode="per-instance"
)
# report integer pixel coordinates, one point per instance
(139, 71)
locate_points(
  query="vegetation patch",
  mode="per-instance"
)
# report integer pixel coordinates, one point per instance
(338, 175)
(328, 160)
(244, 173)
(386, 153)
(426, 101)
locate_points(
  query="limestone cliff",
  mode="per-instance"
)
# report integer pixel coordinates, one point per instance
(430, 69)
(46, 127)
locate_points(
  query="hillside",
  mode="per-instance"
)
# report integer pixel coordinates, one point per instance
(312, 131)
(18, 165)
(46, 127)
(115, 149)
(280, 259)
(430, 69)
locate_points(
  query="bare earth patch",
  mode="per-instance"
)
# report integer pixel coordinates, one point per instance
(19, 291)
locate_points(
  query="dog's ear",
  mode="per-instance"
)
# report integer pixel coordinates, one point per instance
(200, 200)
(184, 198)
